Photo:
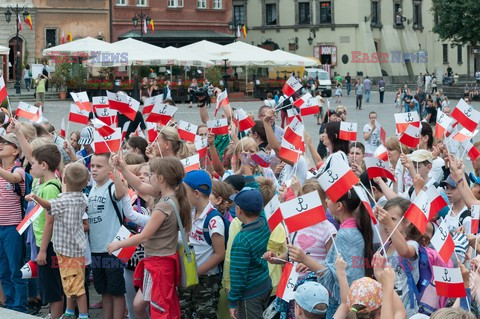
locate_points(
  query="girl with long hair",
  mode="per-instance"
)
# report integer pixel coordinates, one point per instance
(168, 143)
(331, 139)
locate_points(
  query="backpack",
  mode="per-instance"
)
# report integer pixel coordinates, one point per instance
(28, 189)
(206, 234)
(424, 290)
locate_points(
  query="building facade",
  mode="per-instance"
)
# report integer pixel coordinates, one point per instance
(391, 38)
(176, 22)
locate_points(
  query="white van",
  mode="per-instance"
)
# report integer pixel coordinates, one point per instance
(325, 85)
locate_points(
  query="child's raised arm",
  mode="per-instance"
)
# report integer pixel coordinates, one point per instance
(341, 267)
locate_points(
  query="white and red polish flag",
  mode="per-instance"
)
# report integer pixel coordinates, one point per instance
(152, 132)
(362, 195)
(150, 102)
(81, 99)
(475, 218)
(3, 90)
(124, 104)
(107, 144)
(29, 270)
(273, 213)
(411, 136)
(289, 152)
(261, 158)
(62, 128)
(310, 107)
(287, 283)
(437, 202)
(443, 123)
(419, 212)
(449, 282)
(294, 134)
(191, 163)
(403, 120)
(244, 122)
(77, 115)
(99, 102)
(464, 135)
(124, 253)
(381, 152)
(348, 131)
(218, 126)
(201, 145)
(443, 242)
(302, 100)
(125, 129)
(378, 168)
(466, 115)
(27, 111)
(222, 100)
(102, 127)
(336, 177)
(303, 211)
(161, 113)
(291, 114)
(383, 133)
(30, 218)
(291, 86)
(472, 152)
(187, 131)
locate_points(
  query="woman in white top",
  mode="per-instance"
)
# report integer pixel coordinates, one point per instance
(270, 101)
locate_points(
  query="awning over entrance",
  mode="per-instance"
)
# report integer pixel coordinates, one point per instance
(179, 38)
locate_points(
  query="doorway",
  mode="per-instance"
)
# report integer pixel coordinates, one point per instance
(12, 44)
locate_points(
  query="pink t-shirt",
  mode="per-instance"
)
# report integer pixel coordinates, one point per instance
(313, 239)
(10, 205)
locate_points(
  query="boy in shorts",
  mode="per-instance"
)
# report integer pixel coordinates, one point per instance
(69, 241)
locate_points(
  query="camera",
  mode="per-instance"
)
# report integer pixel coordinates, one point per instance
(200, 92)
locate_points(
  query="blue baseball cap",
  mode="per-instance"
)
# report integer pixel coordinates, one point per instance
(474, 179)
(249, 199)
(310, 294)
(198, 178)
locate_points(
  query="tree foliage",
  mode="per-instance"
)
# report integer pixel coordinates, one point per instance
(458, 21)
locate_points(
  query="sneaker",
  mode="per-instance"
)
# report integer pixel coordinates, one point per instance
(65, 316)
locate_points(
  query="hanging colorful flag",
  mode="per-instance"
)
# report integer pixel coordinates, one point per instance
(69, 37)
(244, 31)
(291, 86)
(403, 120)
(218, 126)
(348, 131)
(151, 26)
(442, 241)
(418, 212)
(191, 163)
(28, 21)
(378, 168)
(287, 283)
(187, 131)
(273, 213)
(19, 22)
(161, 113)
(77, 115)
(27, 111)
(63, 37)
(411, 136)
(466, 115)
(302, 212)
(449, 282)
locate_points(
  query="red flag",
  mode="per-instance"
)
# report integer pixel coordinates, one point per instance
(191, 163)
(222, 100)
(218, 126)
(291, 86)
(403, 120)
(107, 144)
(123, 104)
(187, 131)
(294, 134)
(362, 195)
(466, 115)
(81, 99)
(303, 211)
(161, 113)
(475, 218)
(148, 103)
(30, 218)
(381, 152)
(3, 90)
(348, 131)
(124, 253)
(244, 122)
(443, 122)
(378, 168)
(77, 115)
(291, 114)
(336, 177)
(442, 241)
(287, 282)
(102, 128)
(288, 152)
(464, 135)
(449, 282)
(471, 150)
(418, 212)
(437, 202)
(383, 133)
(201, 146)
(411, 136)
(27, 111)
(302, 100)
(273, 213)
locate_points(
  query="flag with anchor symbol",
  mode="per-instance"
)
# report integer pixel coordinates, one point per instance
(99, 102)
(191, 163)
(348, 131)
(81, 99)
(291, 114)
(102, 127)
(150, 102)
(336, 179)
(201, 146)
(411, 136)
(442, 241)
(107, 144)
(378, 168)
(437, 202)
(291, 86)
(443, 123)
(107, 115)
(287, 283)
(302, 100)
(124, 104)
(466, 115)
(403, 120)
(77, 115)
(419, 211)
(27, 111)
(310, 107)
(161, 113)
(218, 126)
(187, 131)
(303, 211)
(288, 152)
(294, 134)
(449, 282)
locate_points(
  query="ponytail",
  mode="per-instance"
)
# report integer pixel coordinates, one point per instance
(185, 209)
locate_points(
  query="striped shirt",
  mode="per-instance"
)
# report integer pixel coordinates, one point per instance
(10, 204)
(249, 274)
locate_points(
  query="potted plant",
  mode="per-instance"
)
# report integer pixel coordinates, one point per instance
(60, 78)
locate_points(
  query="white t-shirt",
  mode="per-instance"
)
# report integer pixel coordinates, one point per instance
(374, 141)
(453, 221)
(300, 173)
(203, 251)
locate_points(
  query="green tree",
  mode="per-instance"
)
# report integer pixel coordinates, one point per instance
(458, 21)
